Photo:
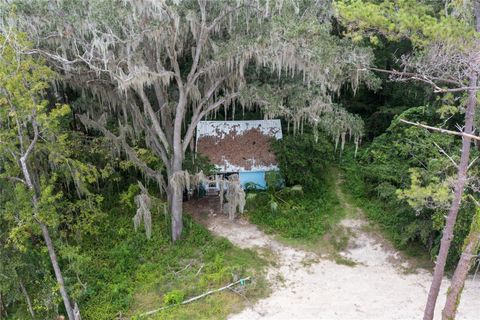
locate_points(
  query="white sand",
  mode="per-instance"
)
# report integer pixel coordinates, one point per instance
(375, 288)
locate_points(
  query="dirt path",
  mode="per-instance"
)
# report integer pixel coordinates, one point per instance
(308, 287)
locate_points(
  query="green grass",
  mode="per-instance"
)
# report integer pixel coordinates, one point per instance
(306, 216)
(129, 274)
(309, 220)
(344, 261)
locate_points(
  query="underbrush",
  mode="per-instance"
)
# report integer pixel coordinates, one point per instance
(129, 275)
(296, 214)
(403, 181)
(396, 221)
(389, 215)
(304, 211)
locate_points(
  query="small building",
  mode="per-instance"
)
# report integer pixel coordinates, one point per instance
(240, 147)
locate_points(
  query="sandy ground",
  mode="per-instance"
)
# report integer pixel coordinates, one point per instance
(375, 288)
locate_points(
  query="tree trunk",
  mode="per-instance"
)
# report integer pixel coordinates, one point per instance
(58, 272)
(3, 310)
(27, 298)
(466, 259)
(175, 198)
(45, 232)
(459, 188)
(447, 236)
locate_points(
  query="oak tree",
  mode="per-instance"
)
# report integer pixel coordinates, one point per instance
(159, 67)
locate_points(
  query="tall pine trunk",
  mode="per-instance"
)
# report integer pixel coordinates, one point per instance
(467, 258)
(459, 186)
(472, 242)
(447, 236)
(48, 241)
(57, 270)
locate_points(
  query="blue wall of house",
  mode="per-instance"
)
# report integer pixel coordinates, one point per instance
(257, 177)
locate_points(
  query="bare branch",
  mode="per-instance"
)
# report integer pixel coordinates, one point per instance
(152, 138)
(474, 200)
(446, 154)
(17, 179)
(194, 122)
(24, 157)
(462, 134)
(197, 297)
(472, 162)
(460, 89)
(225, 13)
(171, 51)
(207, 97)
(420, 77)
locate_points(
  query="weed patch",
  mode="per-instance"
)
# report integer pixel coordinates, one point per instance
(131, 275)
(306, 216)
(339, 259)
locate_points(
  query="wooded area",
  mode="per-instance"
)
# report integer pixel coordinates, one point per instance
(104, 204)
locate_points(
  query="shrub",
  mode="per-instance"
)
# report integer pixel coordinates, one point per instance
(174, 297)
(302, 159)
(382, 171)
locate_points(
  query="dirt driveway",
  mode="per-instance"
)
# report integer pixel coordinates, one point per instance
(307, 286)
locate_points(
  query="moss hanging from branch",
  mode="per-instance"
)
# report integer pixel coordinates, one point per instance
(155, 65)
(143, 203)
(235, 196)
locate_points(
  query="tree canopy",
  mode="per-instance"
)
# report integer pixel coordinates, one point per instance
(161, 67)
(99, 104)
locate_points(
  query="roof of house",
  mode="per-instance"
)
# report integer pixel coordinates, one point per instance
(239, 146)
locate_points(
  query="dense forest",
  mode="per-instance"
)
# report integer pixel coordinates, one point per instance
(104, 204)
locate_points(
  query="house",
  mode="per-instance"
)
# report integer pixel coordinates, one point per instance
(240, 147)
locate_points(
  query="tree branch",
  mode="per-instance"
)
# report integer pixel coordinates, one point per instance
(460, 89)
(472, 162)
(197, 297)
(17, 179)
(33, 142)
(24, 157)
(220, 17)
(201, 40)
(132, 155)
(156, 125)
(446, 154)
(151, 136)
(419, 77)
(462, 134)
(208, 95)
(172, 52)
(194, 122)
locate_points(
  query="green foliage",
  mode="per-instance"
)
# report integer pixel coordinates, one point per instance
(127, 197)
(418, 21)
(86, 192)
(129, 275)
(303, 159)
(403, 182)
(436, 194)
(195, 163)
(293, 215)
(52, 187)
(296, 212)
(274, 180)
(173, 297)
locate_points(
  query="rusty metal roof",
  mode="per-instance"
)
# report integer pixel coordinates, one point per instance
(239, 146)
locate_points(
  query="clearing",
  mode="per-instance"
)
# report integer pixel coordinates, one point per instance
(374, 281)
